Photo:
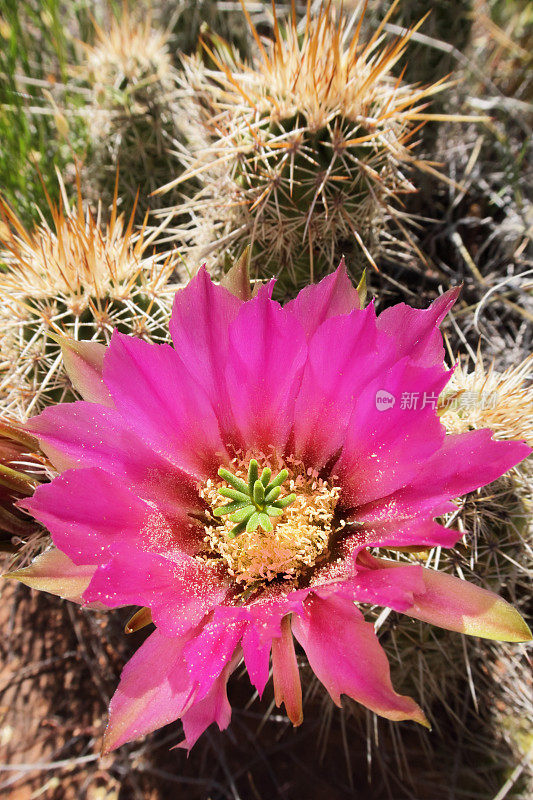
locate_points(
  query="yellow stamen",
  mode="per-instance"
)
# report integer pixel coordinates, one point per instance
(299, 539)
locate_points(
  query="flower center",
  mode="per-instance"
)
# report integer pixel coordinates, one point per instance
(274, 527)
(254, 502)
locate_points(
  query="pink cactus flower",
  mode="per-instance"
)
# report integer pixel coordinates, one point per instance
(236, 486)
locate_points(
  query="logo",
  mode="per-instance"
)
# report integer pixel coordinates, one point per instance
(384, 400)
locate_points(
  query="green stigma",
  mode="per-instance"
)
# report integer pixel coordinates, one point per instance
(253, 503)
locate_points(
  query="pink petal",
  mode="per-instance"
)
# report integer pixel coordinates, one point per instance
(344, 653)
(89, 435)
(264, 616)
(331, 297)
(394, 587)
(344, 355)
(54, 572)
(465, 462)
(348, 352)
(201, 316)
(264, 290)
(337, 574)
(92, 515)
(154, 689)
(208, 653)
(256, 657)
(178, 593)
(416, 531)
(414, 332)
(457, 605)
(287, 687)
(84, 364)
(267, 612)
(160, 400)
(214, 707)
(385, 447)
(267, 352)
